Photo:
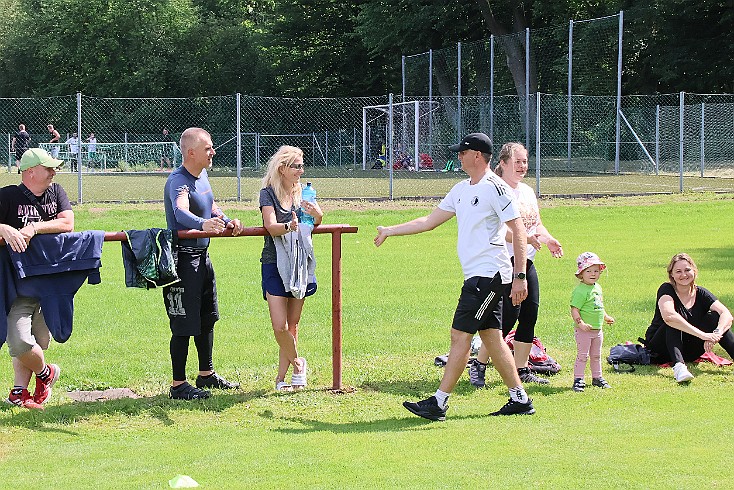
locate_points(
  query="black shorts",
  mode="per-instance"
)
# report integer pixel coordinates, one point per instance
(192, 302)
(273, 283)
(480, 304)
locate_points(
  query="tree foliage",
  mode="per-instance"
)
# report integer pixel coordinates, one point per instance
(143, 48)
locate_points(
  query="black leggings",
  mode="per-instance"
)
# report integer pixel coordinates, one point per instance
(180, 351)
(669, 344)
(526, 313)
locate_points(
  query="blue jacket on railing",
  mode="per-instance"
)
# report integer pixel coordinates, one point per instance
(52, 269)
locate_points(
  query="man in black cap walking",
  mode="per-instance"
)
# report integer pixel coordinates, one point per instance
(482, 204)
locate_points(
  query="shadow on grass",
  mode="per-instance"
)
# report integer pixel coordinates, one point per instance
(157, 407)
(420, 386)
(411, 422)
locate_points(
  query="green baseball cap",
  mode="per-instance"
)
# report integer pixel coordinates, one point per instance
(38, 156)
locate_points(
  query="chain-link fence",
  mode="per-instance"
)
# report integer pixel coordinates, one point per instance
(377, 147)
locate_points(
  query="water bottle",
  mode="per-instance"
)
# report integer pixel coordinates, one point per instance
(307, 194)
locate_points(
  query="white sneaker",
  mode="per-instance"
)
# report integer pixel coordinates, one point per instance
(681, 373)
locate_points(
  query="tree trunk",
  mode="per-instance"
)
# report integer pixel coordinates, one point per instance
(514, 45)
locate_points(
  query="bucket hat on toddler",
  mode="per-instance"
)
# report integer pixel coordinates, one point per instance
(586, 260)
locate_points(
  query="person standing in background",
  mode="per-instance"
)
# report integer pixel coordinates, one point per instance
(73, 143)
(92, 148)
(19, 144)
(55, 138)
(167, 150)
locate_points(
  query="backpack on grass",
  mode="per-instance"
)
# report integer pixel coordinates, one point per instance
(538, 361)
(623, 356)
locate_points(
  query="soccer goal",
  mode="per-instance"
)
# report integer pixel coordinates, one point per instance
(118, 157)
(398, 135)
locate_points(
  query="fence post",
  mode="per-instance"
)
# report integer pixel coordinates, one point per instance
(239, 149)
(491, 87)
(681, 114)
(458, 90)
(619, 93)
(416, 134)
(527, 87)
(390, 143)
(364, 139)
(657, 138)
(537, 144)
(570, 92)
(402, 71)
(703, 139)
(257, 151)
(79, 143)
(430, 102)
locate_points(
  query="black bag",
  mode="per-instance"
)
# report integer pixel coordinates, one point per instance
(628, 354)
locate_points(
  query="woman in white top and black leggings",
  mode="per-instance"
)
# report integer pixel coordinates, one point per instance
(512, 167)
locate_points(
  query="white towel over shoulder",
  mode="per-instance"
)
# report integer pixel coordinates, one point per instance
(296, 260)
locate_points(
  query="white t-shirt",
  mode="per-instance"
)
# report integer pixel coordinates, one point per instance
(527, 204)
(73, 145)
(481, 212)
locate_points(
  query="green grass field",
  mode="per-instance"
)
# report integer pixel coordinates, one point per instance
(357, 184)
(398, 303)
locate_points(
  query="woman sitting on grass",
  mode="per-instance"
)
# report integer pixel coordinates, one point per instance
(688, 320)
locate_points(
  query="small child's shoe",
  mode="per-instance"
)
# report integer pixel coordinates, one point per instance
(578, 384)
(600, 382)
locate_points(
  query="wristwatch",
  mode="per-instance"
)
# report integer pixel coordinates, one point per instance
(519, 275)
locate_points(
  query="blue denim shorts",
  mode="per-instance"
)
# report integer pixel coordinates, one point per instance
(273, 283)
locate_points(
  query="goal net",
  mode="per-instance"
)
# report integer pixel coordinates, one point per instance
(118, 157)
(399, 135)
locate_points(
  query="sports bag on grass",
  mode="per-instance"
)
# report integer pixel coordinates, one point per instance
(538, 361)
(623, 356)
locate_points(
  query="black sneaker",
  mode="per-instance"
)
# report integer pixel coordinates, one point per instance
(428, 409)
(215, 381)
(600, 382)
(527, 376)
(516, 408)
(477, 372)
(579, 384)
(187, 392)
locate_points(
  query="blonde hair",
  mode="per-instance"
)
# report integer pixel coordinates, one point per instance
(506, 152)
(286, 155)
(687, 258)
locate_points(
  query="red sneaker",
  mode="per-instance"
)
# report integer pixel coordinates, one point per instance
(43, 388)
(24, 400)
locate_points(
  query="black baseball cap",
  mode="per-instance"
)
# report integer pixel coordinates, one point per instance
(474, 141)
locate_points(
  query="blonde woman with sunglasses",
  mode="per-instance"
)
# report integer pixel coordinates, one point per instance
(280, 200)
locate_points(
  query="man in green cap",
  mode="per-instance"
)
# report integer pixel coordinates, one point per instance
(36, 205)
